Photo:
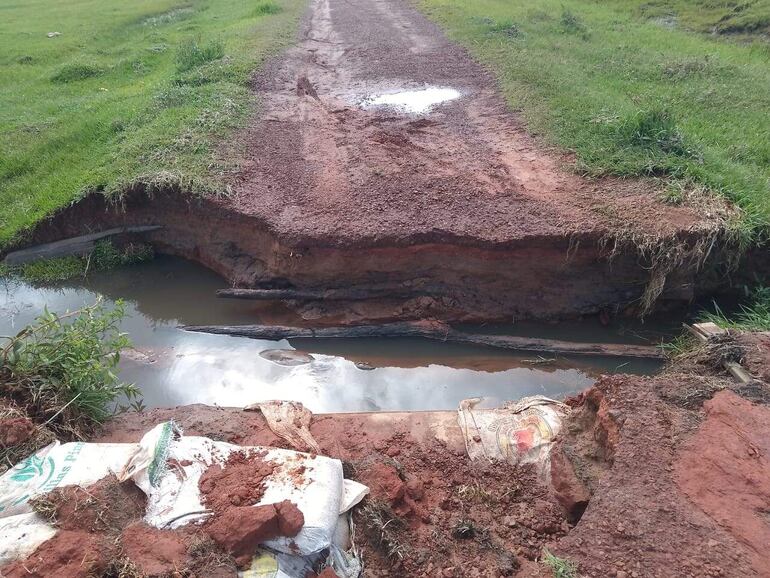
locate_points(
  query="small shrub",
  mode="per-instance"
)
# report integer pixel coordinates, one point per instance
(192, 54)
(653, 129)
(61, 368)
(75, 72)
(266, 7)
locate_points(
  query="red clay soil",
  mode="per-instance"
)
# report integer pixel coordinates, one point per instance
(319, 168)
(241, 529)
(155, 552)
(239, 482)
(93, 509)
(69, 554)
(231, 491)
(725, 470)
(15, 431)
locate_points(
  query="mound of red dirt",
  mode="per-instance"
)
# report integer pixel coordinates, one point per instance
(155, 552)
(238, 482)
(240, 529)
(69, 554)
(107, 505)
(15, 431)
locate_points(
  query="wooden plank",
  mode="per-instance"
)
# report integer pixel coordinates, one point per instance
(433, 330)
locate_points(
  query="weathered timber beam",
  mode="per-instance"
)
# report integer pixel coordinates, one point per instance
(436, 331)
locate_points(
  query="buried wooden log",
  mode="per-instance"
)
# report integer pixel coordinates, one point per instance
(73, 246)
(343, 294)
(433, 330)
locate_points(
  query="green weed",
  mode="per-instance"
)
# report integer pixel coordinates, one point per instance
(571, 23)
(561, 567)
(192, 53)
(506, 27)
(61, 368)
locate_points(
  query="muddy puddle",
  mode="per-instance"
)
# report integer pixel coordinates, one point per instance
(419, 101)
(175, 367)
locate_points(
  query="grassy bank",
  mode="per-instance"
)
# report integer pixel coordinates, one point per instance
(123, 91)
(633, 89)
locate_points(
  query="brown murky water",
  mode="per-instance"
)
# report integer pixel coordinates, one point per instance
(175, 367)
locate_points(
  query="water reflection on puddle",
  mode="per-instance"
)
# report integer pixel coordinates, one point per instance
(412, 101)
(174, 367)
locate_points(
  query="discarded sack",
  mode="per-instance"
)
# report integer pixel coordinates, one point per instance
(167, 466)
(520, 432)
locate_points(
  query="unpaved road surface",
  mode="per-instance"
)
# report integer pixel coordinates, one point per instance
(319, 165)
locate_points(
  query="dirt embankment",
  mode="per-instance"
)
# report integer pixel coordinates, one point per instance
(662, 476)
(458, 202)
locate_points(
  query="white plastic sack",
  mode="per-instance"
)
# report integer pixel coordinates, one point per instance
(519, 433)
(56, 465)
(59, 465)
(174, 499)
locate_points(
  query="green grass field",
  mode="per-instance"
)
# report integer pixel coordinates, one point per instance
(634, 88)
(128, 91)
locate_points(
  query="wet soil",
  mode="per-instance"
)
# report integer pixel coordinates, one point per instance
(457, 204)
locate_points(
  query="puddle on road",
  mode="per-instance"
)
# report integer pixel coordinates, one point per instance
(174, 367)
(419, 101)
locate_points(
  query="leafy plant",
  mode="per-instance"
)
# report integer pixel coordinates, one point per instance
(61, 368)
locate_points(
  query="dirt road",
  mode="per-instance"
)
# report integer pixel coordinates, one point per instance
(453, 203)
(323, 163)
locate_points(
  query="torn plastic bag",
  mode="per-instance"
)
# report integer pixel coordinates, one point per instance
(520, 432)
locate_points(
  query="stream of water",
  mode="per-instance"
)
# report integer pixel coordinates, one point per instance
(176, 367)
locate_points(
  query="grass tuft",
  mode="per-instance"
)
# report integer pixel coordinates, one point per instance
(75, 72)
(752, 316)
(266, 7)
(193, 53)
(561, 567)
(653, 129)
